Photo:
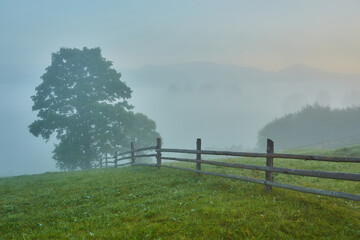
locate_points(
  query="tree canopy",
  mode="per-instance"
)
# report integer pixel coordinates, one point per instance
(314, 125)
(83, 101)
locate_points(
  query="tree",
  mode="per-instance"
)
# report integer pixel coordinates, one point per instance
(142, 131)
(82, 100)
(313, 126)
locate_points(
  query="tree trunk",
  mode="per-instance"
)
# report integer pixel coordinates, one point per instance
(87, 162)
(86, 139)
(87, 152)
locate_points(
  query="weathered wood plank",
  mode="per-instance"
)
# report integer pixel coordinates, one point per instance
(247, 179)
(208, 152)
(124, 158)
(158, 152)
(145, 149)
(198, 155)
(300, 172)
(116, 159)
(144, 165)
(269, 176)
(145, 155)
(132, 152)
(317, 158)
(138, 150)
(264, 155)
(349, 196)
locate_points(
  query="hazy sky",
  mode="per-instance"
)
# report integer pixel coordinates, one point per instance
(265, 34)
(270, 35)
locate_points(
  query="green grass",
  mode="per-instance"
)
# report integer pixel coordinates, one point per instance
(146, 203)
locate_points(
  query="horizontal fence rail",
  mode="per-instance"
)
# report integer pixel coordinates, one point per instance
(127, 155)
(279, 185)
(145, 149)
(269, 169)
(264, 155)
(145, 155)
(137, 150)
(308, 173)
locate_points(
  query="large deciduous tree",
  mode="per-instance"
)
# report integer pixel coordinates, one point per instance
(82, 100)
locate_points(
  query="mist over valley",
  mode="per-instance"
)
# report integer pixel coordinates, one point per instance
(226, 104)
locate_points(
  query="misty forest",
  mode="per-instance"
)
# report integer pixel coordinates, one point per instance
(180, 120)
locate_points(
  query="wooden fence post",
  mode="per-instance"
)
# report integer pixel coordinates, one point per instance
(198, 155)
(158, 152)
(132, 152)
(269, 163)
(115, 160)
(101, 162)
(106, 160)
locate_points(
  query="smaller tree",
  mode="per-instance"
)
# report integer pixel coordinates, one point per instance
(142, 131)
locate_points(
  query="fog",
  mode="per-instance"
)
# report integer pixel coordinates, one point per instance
(200, 69)
(21, 152)
(227, 105)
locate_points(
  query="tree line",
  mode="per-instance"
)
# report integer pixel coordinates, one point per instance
(314, 124)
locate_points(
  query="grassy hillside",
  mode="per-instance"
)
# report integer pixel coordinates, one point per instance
(146, 203)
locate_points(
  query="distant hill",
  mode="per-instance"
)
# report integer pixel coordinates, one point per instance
(200, 72)
(213, 72)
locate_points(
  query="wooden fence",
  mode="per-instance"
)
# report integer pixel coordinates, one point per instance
(269, 168)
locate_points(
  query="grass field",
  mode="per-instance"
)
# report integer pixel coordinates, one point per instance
(147, 203)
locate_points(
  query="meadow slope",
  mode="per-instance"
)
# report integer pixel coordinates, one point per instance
(147, 203)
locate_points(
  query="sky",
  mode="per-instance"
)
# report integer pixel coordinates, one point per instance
(269, 35)
(265, 34)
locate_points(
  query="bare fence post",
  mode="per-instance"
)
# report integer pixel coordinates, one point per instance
(269, 163)
(115, 159)
(198, 155)
(132, 152)
(158, 152)
(101, 162)
(106, 160)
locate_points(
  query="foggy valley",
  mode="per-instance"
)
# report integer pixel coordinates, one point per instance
(225, 105)
(234, 102)
(221, 73)
(180, 119)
